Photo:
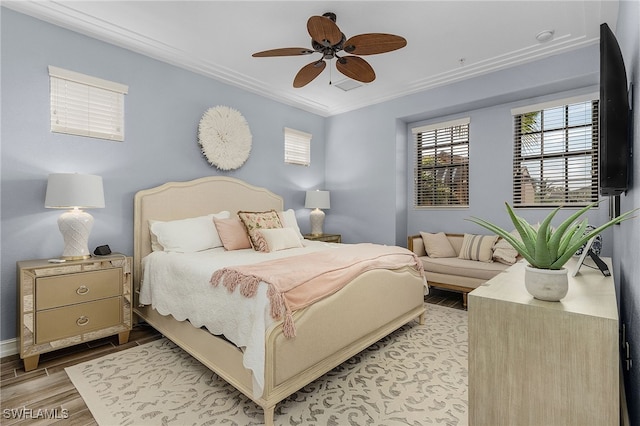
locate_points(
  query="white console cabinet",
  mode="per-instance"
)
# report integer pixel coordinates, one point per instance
(544, 363)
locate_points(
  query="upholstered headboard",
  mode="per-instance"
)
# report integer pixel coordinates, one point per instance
(199, 197)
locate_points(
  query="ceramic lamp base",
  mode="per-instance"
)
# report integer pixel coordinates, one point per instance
(316, 217)
(75, 227)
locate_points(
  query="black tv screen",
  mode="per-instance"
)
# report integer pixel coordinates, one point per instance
(614, 150)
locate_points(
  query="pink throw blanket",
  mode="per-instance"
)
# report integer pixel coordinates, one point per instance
(299, 281)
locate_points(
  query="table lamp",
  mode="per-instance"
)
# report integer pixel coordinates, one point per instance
(317, 200)
(74, 191)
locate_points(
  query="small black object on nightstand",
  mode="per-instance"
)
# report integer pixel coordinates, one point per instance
(102, 250)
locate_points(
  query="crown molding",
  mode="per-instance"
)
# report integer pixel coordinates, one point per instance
(59, 14)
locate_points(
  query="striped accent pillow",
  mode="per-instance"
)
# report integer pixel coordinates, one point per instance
(478, 247)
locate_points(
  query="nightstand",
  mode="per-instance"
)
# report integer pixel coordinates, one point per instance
(328, 238)
(64, 304)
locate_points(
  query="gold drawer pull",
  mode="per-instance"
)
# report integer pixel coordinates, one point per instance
(82, 290)
(82, 321)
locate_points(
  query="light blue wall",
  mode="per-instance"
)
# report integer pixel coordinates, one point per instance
(627, 235)
(163, 108)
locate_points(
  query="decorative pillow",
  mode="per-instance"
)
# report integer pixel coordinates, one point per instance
(255, 221)
(504, 252)
(277, 239)
(288, 219)
(186, 235)
(232, 233)
(478, 247)
(437, 245)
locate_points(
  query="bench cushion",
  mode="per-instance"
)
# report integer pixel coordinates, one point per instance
(461, 267)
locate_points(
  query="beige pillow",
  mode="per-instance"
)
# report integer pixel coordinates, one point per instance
(504, 252)
(278, 239)
(478, 247)
(437, 245)
(232, 233)
(255, 221)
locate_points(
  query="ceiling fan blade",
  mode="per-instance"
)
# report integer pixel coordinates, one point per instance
(285, 51)
(324, 31)
(356, 68)
(308, 73)
(374, 43)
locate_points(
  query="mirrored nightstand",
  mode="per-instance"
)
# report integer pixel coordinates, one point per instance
(328, 238)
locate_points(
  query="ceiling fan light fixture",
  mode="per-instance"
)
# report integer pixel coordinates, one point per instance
(347, 84)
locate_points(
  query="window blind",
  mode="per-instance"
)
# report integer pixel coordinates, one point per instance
(86, 106)
(555, 159)
(297, 147)
(442, 164)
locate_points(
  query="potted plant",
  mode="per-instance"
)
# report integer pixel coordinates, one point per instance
(548, 249)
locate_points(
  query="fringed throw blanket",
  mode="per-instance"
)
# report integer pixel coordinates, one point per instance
(299, 281)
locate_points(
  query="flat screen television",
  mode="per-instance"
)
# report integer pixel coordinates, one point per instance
(615, 141)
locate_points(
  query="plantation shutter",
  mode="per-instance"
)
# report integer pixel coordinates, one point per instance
(555, 160)
(86, 106)
(297, 147)
(442, 164)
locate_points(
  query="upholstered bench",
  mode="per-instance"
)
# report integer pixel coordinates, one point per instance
(447, 269)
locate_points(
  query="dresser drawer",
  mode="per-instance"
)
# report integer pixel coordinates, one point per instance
(54, 324)
(62, 290)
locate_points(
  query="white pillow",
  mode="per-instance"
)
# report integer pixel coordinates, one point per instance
(279, 239)
(504, 252)
(288, 219)
(186, 235)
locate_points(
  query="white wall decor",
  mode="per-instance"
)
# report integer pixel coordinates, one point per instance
(225, 138)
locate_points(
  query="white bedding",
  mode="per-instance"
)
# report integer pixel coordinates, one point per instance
(178, 284)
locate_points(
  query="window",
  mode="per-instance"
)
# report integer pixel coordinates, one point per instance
(297, 147)
(442, 164)
(86, 106)
(555, 160)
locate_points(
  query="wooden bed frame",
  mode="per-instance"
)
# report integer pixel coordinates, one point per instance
(328, 332)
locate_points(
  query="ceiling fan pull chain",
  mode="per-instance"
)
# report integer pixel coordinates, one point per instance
(330, 75)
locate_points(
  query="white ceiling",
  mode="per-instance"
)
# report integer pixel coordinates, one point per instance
(446, 40)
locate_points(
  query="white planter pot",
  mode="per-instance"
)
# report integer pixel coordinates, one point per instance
(546, 284)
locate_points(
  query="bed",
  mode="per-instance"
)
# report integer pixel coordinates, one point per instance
(328, 332)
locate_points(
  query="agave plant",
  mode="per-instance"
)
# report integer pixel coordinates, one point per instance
(546, 247)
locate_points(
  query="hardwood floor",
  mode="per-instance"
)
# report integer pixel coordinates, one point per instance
(48, 387)
(450, 299)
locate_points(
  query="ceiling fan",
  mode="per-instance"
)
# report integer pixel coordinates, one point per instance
(328, 40)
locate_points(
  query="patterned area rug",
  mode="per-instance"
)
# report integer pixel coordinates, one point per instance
(415, 376)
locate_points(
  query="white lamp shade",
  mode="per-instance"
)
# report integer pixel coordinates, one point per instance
(317, 200)
(69, 190)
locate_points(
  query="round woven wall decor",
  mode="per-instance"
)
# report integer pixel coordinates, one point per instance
(225, 138)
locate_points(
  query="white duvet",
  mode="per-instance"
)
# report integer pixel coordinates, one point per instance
(178, 284)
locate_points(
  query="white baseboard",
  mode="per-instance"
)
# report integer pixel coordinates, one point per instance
(8, 347)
